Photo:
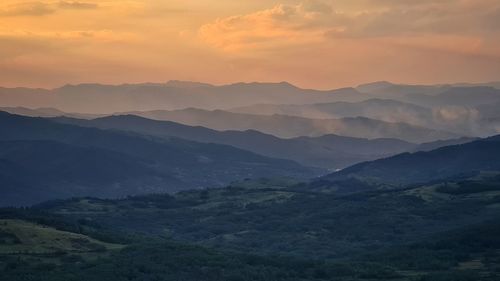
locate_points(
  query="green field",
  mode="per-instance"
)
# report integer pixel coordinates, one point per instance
(18, 237)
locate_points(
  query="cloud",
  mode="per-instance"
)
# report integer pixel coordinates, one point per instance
(39, 8)
(12, 47)
(76, 5)
(101, 35)
(27, 9)
(281, 24)
(316, 21)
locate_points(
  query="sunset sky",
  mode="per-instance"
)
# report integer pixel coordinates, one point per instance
(314, 44)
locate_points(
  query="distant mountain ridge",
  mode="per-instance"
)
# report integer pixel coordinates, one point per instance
(380, 109)
(460, 120)
(466, 95)
(98, 98)
(92, 97)
(46, 112)
(327, 151)
(440, 111)
(285, 126)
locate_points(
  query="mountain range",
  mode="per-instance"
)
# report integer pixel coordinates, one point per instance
(91, 98)
(286, 126)
(124, 197)
(461, 120)
(328, 151)
(414, 113)
(77, 161)
(356, 125)
(98, 98)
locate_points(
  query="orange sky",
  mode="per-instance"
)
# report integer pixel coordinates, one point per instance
(310, 43)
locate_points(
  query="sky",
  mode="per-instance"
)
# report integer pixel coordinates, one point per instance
(319, 44)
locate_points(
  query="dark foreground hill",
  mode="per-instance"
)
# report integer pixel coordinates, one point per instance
(447, 229)
(420, 167)
(266, 230)
(44, 159)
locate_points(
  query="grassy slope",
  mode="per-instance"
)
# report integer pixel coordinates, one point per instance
(291, 221)
(445, 231)
(30, 238)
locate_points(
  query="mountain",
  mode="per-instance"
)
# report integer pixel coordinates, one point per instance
(39, 112)
(384, 110)
(285, 126)
(77, 161)
(457, 96)
(388, 90)
(46, 112)
(26, 97)
(466, 121)
(446, 228)
(488, 111)
(493, 84)
(464, 95)
(461, 121)
(450, 108)
(419, 167)
(45, 170)
(98, 98)
(329, 151)
(105, 99)
(442, 143)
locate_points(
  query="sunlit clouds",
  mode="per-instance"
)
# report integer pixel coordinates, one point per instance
(320, 44)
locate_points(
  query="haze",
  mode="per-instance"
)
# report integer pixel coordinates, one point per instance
(312, 44)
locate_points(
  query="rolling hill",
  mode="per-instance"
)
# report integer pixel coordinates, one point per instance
(46, 112)
(271, 229)
(19, 236)
(43, 155)
(329, 151)
(272, 217)
(420, 167)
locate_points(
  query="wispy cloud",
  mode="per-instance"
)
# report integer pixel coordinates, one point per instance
(313, 43)
(27, 9)
(282, 24)
(42, 8)
(77, 5)
(316, 20)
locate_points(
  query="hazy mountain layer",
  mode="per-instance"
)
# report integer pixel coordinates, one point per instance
(98, 98)
(329, 151)
(46, 112)
(291, 126)
(468, 120)
(462, 109)
(385, 110)
(392, 89)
